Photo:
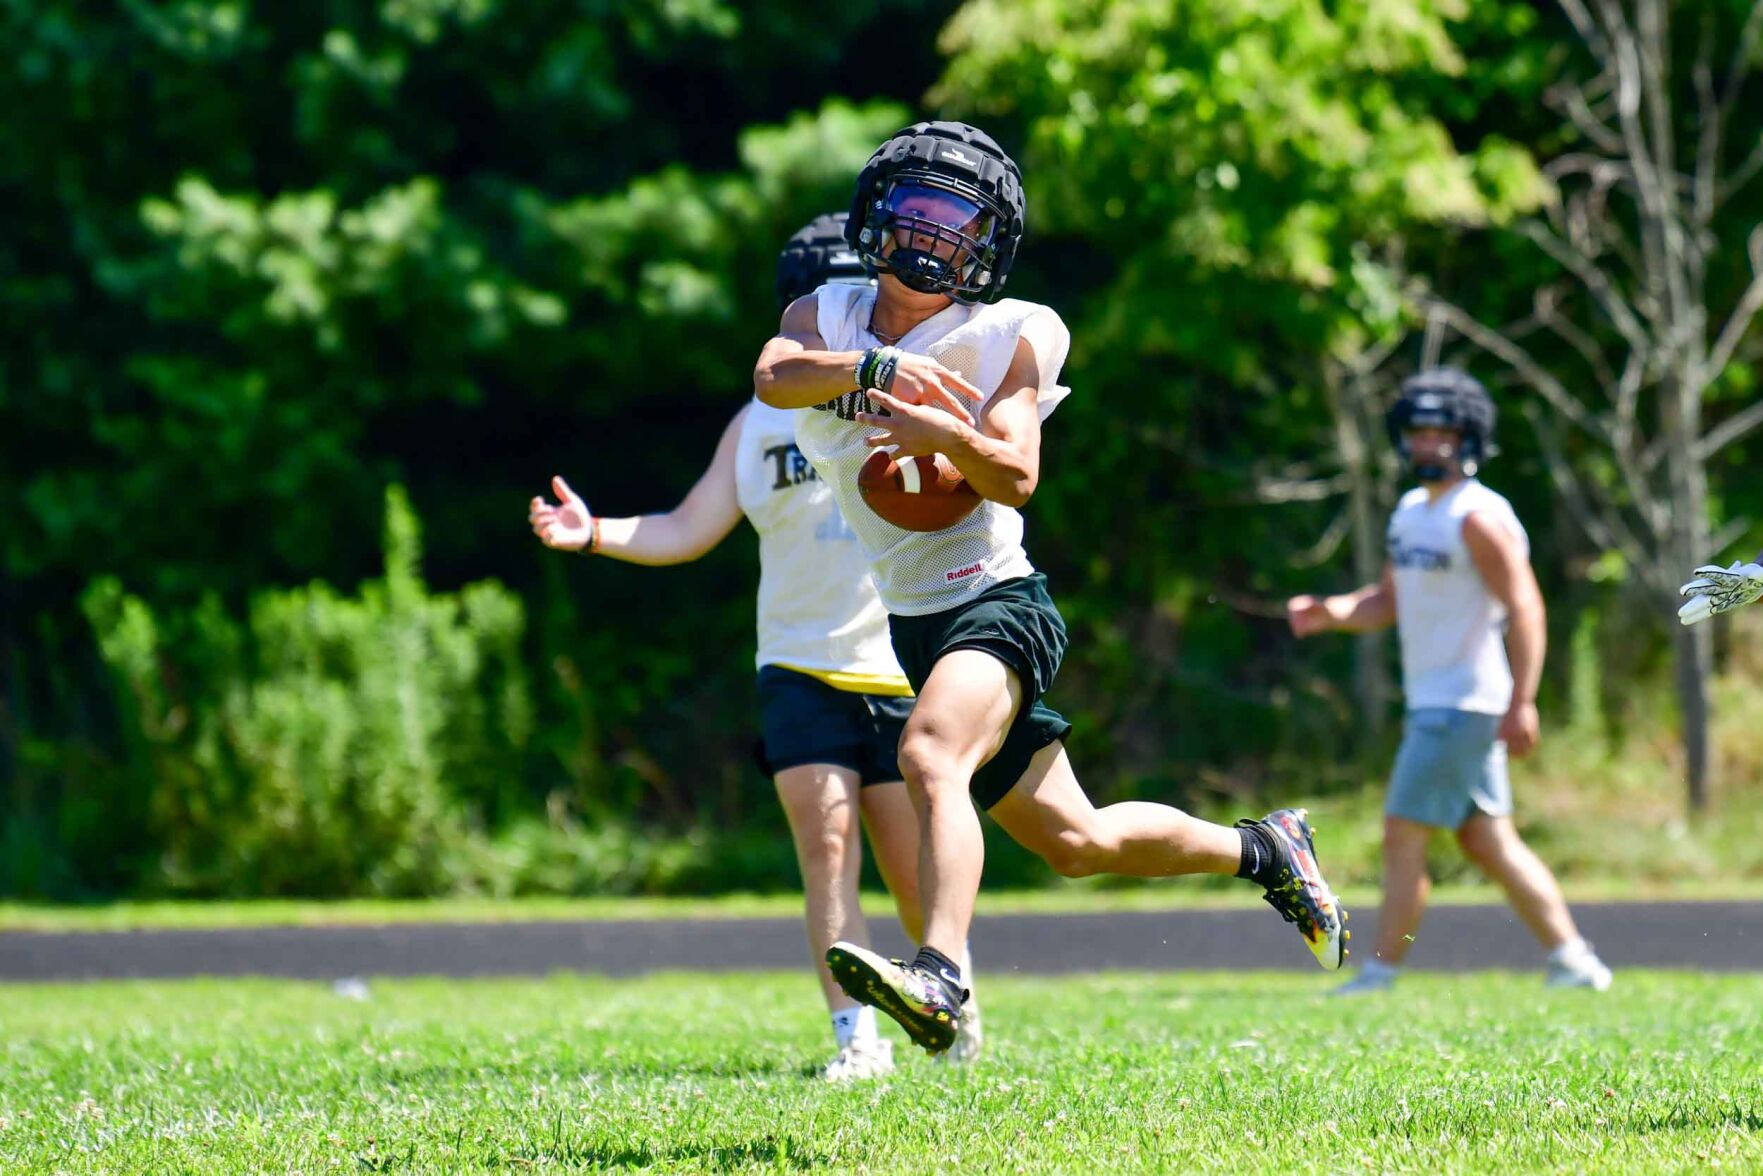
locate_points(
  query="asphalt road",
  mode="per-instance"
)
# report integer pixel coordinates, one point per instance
(1703, 936)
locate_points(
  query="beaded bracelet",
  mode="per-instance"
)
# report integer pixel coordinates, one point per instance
(593, 544)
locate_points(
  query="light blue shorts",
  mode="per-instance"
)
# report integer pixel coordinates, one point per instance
(1451, 766)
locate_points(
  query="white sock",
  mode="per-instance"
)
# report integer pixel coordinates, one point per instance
(967, 967)
(856, 1023)
(1573, 949)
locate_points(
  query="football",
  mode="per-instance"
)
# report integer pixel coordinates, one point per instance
(918, 494)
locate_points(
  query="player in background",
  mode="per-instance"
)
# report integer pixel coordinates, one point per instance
(832, 698)
(931, 361)
(1460, 590)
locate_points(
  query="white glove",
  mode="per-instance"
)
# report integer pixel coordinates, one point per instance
(1716, 590)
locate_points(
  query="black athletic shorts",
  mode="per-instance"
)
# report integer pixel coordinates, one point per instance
(1017, 623)
(805, 721)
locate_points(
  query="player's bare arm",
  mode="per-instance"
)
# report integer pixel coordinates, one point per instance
(709, 511)
(1505, 569)
(795, 370)
(1366, 610)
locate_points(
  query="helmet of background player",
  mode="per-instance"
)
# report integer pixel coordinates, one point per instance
(940, 207)
(816, 255)
(1443, 398)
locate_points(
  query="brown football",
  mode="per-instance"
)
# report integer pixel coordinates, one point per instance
(918, 494)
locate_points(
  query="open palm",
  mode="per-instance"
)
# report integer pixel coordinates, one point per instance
(566, 526)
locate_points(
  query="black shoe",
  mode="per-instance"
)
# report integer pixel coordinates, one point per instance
(1300, 895)
(920, 1001)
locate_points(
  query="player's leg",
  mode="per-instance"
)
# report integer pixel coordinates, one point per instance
(892, 825)
(1432, 785)
(1405, 890)
(1047, 812)
(820, 803)
(1495, 847)
(1406, 887)
(957, 724)
(893, 836)
(959, 719)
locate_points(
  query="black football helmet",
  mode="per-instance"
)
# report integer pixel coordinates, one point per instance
(1444, 398)
(816, 255)
(940, 207)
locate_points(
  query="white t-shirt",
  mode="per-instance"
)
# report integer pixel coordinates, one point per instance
(1452, 628)
(918, 572)
(818, 609)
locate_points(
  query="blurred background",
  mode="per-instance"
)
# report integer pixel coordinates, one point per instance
(299, 304)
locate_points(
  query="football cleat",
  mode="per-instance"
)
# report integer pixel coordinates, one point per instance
(918, 1000)
(1301, 896)
(970, 1037)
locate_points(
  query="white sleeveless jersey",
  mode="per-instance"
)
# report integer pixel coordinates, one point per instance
(1452, 628)
(920, 572)
(818, 610)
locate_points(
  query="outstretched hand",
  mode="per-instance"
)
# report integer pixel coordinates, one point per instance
(568, 526)
(1715, 590)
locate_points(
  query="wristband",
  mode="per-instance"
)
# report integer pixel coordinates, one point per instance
(877, 366)
(593, 543)
(884, 368)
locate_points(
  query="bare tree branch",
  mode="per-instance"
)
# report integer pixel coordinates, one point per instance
(1588, 31)
(1520, 361)
(1741, 175)
(1743, 315)
(1605, 527)
(1546, 304)
(1730, 533)
(1651, 510)
(1571, 100)
(1742, 53)
(1729, 430)
(1706, 188)
(1621, 315)
(1273, 491)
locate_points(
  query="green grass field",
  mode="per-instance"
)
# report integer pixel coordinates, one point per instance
(1118, 1072)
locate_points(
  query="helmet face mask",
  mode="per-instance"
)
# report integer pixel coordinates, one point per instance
(939, 206)
(932, 238)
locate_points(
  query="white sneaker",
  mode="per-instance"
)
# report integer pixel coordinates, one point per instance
(970, 1036)
(861, 1060)
(1373, 977)
(1576, 965)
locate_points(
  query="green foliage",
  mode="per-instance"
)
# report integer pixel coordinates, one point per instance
(267, 259)
(330, 744)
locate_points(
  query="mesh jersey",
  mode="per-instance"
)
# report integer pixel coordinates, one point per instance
(818, 609)
(920, 572)
(1452, 628)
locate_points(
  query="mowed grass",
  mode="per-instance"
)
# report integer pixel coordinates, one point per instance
(1102, 1073)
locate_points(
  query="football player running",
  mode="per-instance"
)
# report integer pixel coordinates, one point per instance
(1458, 578)
(932, 361)
(831, 696)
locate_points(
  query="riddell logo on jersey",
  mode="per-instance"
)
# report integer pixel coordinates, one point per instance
(963, 573)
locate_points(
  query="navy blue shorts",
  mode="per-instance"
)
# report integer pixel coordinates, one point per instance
(805, 721)
(1017, 623)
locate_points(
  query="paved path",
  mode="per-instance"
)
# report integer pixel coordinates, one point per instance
(1709, 936)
